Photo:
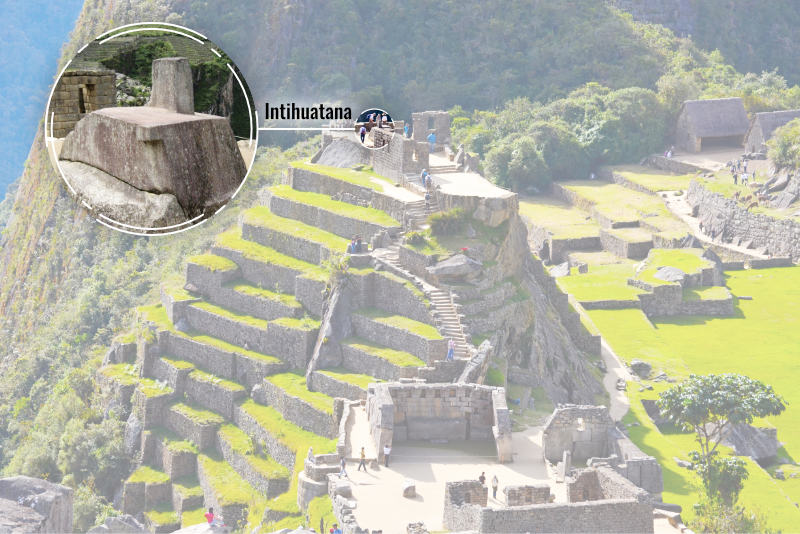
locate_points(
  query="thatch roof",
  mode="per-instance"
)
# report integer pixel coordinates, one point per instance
(769, 121)
(719, 117)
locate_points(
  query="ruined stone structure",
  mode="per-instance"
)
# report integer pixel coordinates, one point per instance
(436, 122)
(160, 151)
(707, 123)
(601, 501)
(78, 93)
(398, 412)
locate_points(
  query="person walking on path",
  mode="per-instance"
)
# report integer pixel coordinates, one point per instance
(423, 176)
(495, 482)
(343, 471)
(451, 350)
(482, 478)
(363, 462)
(387, 450)
(432, 140)
(362, 132)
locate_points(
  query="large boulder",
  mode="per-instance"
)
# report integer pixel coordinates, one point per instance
(458, 268)
(121, 524)
(641, 368)
(670, 274)
(761, 444)
(409, 488)
(33, 505)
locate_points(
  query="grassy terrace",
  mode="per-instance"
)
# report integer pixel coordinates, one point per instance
(177, 364)
(163, 515)
(208, 378)
(602, 282)
(173, 442)
(295, 385)
(365, 177)
(157, 315)
(306, 323)
(212, 262)
(238, 317)
(400, 280)
(399, 321)
(175, 290)
(261, 216)
(232, 240)
(705, 293)
(197, 415)
(562, 220)
(193, 517)
(326, 203)
(295, 439)
(148, 475)
(255, 291)
(126, 374)
(688, 260)
(242, 444)
(653, 179)
(631, 235)
(345, 375)
(398, 358)
(230, 488)
(761, 341)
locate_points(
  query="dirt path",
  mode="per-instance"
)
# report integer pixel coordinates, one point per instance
(615, 370)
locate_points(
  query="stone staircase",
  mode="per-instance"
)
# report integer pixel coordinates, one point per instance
(216, 376)
(445, 309)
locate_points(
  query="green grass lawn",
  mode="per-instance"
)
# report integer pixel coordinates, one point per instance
(398, 358)
(149, 475)
(399, 321)
(602, 282)
(295, 385)
(243, 445)
(172, 441)
(705, 293)
(261, 216)
(562, 220)
(345, 375)
(197, 415)
(212, 262)
(193, 517)
(230, 488)
(653, 179)
(230, 314)
(761, 341)
(688, 260)
(365, 177)
(344, 209)
(232, 240)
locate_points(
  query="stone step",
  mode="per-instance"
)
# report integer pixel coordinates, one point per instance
(293, 339)
(262, 472)
(290, 236)
(219, 357)
(364, 356)
(225, 490)
(194, 424)
(310, 410)
(400, 333)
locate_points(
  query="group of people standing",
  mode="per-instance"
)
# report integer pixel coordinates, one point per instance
(495, 483)
(739, 172)
(356, 246)
(374, 120)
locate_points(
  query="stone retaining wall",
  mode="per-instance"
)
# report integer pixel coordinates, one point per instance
(296, 410)
(94, 88)
(417, 263)
(722, 218)
(276, 450)
(150, 409)
(428, 350)
(636, 250)
(311, 294)
(346, 227)
(259, 273)
(235, 514)
(673, 165)
(203, 435)
(561, 247)
(213, 396)
(287, 243)
(271, 487)
(366, 363)
(332, 387)
(393, 296)
(523, 495)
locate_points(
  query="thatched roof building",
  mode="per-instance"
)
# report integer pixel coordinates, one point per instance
(715, 122)
(763, 126)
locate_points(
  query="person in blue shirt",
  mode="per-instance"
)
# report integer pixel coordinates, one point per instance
(432, 140)
(405, 130)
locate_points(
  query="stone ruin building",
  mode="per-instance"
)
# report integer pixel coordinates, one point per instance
(428, 122)
(78, 93)
(156, 165)
(719, 122)
(763, 126)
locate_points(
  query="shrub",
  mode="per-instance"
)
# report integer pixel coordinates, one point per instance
(448, 223)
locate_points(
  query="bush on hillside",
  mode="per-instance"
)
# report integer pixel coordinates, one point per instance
(448, 222)
(784, 147)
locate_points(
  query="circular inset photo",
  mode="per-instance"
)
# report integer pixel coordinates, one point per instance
(152, 128)
(374, 128)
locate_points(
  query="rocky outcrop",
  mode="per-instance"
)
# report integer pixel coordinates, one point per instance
(33, 505)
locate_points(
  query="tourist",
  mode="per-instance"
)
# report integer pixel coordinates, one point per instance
(423, 176)
(405, 131)
(212, 521)
(495, 483)
(363, 133)
(592, 175)
(386, 119)
(343, 471)
(359, 246)
(482, 478)
(380, 120)
(336, 529)
(363, 462)
(744, 166)
(451, 350)
(387, 450)
(432, 140)
(427, 200)
(351, 246)
(745, 178)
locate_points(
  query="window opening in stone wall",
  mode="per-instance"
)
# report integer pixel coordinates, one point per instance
(81, 100)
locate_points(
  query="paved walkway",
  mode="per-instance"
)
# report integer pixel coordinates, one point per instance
(462, 183)
(379, 493)
(615, 369)
(358, 436)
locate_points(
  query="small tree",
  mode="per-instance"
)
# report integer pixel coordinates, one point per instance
(709, 405)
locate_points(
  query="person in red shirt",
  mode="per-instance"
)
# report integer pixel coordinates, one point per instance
(210, 516)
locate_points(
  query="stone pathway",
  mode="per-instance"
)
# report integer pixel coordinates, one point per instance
(454, 182)
(615, 370)
(358, 436)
